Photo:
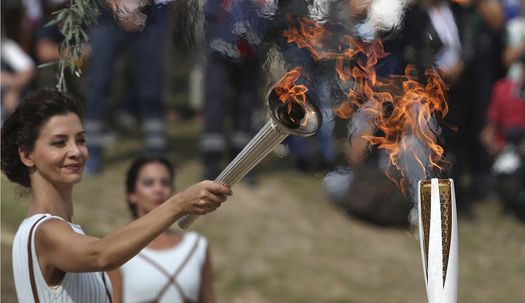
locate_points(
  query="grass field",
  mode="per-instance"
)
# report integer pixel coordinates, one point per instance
(282, 241)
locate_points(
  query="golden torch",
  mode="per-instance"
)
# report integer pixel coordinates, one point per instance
(438, 235)
(288, 117)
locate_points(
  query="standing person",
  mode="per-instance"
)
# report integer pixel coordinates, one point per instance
(481, 72)
(232, 63)
(173, 267)
(43, 149)
(504, 138)
(514, 47)
(455, 39)
(146, 49)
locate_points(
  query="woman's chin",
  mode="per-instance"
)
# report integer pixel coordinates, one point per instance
(74, 179)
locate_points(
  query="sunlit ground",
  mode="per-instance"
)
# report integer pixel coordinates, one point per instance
(282, 241)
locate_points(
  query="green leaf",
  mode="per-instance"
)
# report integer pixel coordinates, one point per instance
(48, 64)
(72, 22)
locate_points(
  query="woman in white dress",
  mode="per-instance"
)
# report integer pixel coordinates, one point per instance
(43, 148)
(174, 267)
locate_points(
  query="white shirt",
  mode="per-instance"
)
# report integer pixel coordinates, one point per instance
(443, 21)
(515, 39)
(75, 287)
(144, 281)
(14, 57)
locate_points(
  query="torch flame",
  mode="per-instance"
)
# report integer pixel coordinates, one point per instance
(402, 107)
(289, 92)
(411, 113)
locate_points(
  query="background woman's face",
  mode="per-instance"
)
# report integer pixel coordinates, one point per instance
(154, 185)
(60, 150)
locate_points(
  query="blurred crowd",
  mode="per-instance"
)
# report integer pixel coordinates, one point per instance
(477, 46)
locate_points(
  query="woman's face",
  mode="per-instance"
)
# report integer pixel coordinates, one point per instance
(60, 150)
(154, 185)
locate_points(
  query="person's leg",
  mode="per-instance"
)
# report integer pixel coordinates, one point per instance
(512, 185)
(245, 82)
(247, 97)
(217, 86)
(147, 53)
(479, 160)
(104, 38)
(511, 193)
(299, 148)
(455, 135)
(325, 138)
(325, 133)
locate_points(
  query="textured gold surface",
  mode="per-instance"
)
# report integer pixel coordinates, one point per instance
(425, 217)
(446, 218)
(446, 222)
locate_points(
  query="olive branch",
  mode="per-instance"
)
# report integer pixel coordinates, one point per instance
(72, 22)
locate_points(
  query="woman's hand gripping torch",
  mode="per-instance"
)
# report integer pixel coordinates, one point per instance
(301, 119)
(438, 238)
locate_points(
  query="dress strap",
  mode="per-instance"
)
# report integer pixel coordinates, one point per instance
(31, 266)
(172, 278)
(188, 256)
(30, 260)
(106, 287)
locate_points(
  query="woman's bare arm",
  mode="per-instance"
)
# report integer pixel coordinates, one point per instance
(59, 247)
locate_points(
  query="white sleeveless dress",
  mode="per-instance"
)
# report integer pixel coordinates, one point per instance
(86, 287)
(168, 275)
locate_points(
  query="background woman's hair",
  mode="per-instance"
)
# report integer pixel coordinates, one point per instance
(22, 128)
(133, 175)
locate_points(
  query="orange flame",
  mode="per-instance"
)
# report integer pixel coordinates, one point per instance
(402, 107)
(289, 92)
(411, 113)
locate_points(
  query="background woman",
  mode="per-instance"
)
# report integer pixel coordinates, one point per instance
(43, 148)
(174, 267)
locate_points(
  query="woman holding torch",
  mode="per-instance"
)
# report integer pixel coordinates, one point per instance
(43, 149)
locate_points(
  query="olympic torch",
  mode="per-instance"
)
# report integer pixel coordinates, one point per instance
(438, 234)
(286, 118)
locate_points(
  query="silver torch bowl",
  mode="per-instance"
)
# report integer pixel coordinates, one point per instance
(285, 119)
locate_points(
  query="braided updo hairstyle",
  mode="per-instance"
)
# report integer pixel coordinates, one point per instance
(22, 128)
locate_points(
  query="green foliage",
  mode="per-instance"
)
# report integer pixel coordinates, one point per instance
(72, 22)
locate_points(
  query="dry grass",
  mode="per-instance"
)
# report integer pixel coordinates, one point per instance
(282, 241)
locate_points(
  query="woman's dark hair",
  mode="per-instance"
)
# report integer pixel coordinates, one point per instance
(133, 175)
(22, 128)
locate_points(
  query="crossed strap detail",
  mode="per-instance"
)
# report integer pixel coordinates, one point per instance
(171, 277)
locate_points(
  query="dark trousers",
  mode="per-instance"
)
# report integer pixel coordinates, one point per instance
(146, 49)
(226, 79)
(223, 78)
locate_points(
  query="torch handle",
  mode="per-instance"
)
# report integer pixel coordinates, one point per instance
(186, 221)
(259, 147)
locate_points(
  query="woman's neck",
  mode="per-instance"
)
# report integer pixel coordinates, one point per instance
(51, 198)
(165, 240)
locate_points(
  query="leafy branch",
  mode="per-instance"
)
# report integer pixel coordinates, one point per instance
(72, 22)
